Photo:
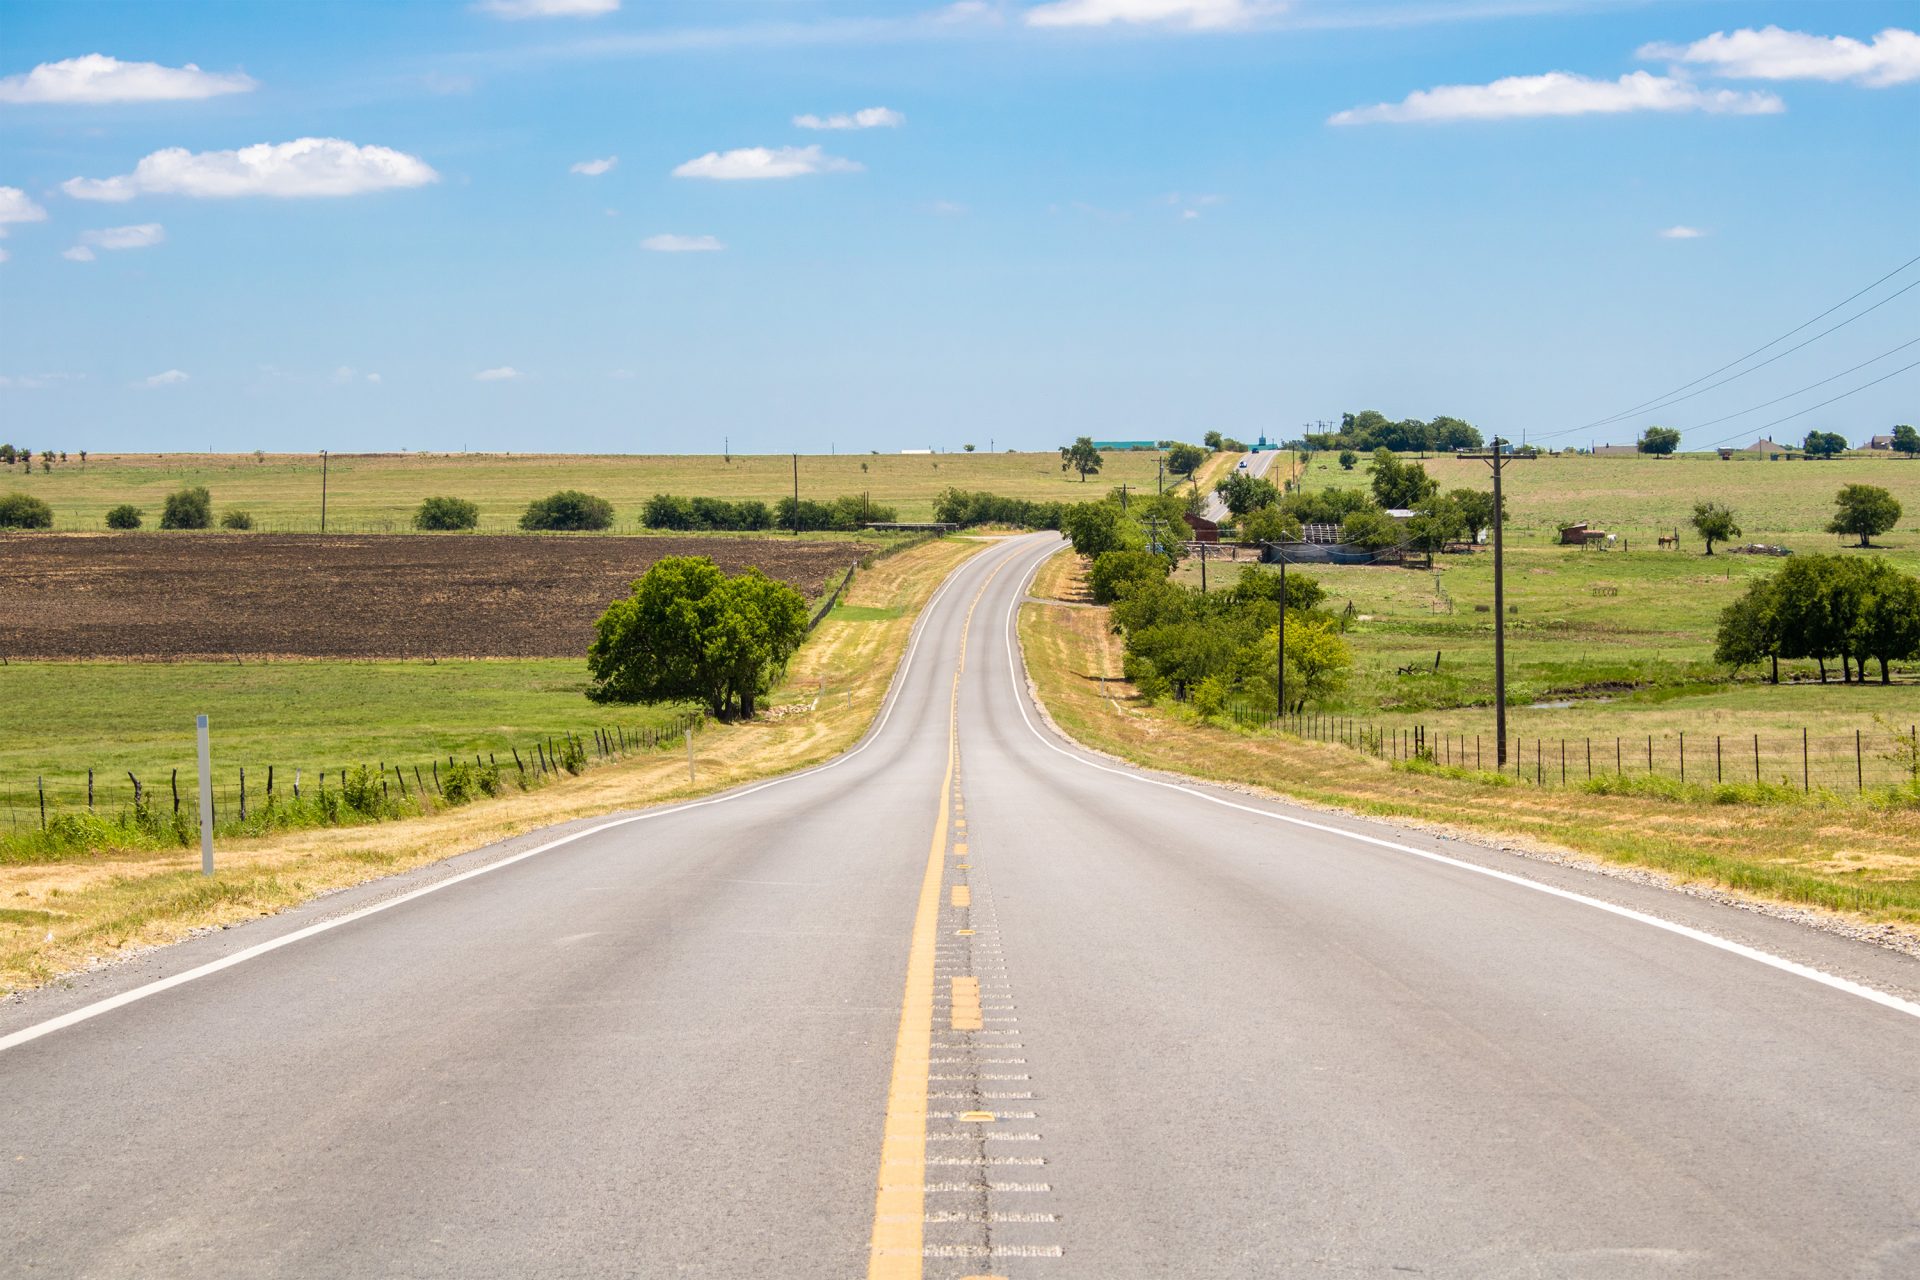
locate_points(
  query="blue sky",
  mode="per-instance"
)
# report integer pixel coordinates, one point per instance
(1124, 218)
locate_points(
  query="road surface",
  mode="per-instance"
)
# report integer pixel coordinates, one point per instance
(1257, 465)
(969, 1001)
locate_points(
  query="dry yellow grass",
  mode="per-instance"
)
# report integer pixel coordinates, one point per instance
(1859, 860)
(61, 917)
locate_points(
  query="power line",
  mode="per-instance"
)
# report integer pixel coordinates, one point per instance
(1686, 386)
(1779, 355)
(1823, 404)
(1714, 422)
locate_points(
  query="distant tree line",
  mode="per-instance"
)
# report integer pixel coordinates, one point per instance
(1370, 429)
(843, 514)
(964, 507)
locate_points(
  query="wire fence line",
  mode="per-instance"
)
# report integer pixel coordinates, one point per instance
(244, 791)
(1850, 761)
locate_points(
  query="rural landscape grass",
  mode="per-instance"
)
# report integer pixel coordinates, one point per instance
(378, 493)
(1857, 858)
(58, 916)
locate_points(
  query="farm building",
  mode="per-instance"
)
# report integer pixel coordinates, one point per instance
(1616, 451)
(1204, 530)
(1579, 535)
(1880, 442)
(1773, 449)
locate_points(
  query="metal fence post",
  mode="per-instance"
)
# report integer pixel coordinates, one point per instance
(206, 795)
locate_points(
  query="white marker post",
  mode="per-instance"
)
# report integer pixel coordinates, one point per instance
(206, 797)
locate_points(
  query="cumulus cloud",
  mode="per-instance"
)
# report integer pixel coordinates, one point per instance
(17, 206)
(1681, 232)
(303, 167)
(1199, 14)
(167, 379)
(504, 373)
(1559, 93)
(594, 168)
(4, 255)
(865, 118)
(666, 242)
(764, 162)
(79, 253)
(547, 8)
(1893, 57)
(98, 78)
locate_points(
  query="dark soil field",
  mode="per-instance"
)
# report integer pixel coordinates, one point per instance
(198, 596)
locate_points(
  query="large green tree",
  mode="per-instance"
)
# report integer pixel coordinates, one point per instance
(1080, 456)
(1400, 484)
(688, 632)
(1907, 440)
(1659, 441)
(1185, 459)
(1094, 527)
(1824, 444)
(1864, 510)
(1244, 493)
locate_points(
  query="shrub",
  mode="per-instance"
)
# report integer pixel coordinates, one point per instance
(124, 516)
(237, 520)
(1347, 459)
(958, 506)
(446, 513)
(461, 782)
(567, 511)
(24, 511)
(1116, 571)
(188, 509)
(573, 755)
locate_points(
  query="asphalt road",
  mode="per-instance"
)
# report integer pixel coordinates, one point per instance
(1169, 1031)
(1257, 465)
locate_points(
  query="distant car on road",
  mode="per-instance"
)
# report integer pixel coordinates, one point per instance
(1243, 464)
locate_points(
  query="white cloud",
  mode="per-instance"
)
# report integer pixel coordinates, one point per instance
(373, 377)
(764, 162)
(1199, 14)
(98, 78)
(17, 206)
(1681, 232)
(865, 118)
(1189, 206)
(303, 167)
(167, 379)
(38, 381)
(79, 253)
(669, 243)
(4, 255)
(594, 168)
(547, 8)
(142, 236)
(1559, 93)
(505, 373)
(947, 209)
(1773, 54)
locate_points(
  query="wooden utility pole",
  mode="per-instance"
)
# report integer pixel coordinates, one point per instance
(1497, 460)
(323, 491)
(796, 500)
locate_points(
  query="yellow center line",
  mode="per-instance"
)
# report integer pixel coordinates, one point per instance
(899, 1201)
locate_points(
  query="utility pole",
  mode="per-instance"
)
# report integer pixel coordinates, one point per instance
(323, 491)
(1160, 480)
(1123, 499)
(1496, 459)
(1203, 567)
(796, 500)
(1280, 656)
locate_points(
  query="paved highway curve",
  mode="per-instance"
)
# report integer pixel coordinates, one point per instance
(969, 1001)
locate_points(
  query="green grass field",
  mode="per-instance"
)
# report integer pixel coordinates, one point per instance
(378, 493)
(114, 717)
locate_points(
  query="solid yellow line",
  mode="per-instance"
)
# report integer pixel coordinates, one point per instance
(899, 1201)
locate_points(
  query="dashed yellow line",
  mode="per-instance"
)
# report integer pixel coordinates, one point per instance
(963, 1013)
(899, 1201)
(962, 896)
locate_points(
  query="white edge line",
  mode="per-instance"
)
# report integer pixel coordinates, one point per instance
(1908, 1007)
(94, 1010)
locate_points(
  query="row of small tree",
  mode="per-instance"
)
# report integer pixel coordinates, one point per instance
(1824, 607)
(1662, 441)
(1862, 511)
(13, 454)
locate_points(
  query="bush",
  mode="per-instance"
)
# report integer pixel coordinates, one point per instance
(668, 511)
(958, 506)
(461, 782)
(1372, 529)
(568, 511)
(1347, 459)
(438, 514)
(237, 520)
(1116, 571)
(124, 516)
(24, 511)
(188, 509)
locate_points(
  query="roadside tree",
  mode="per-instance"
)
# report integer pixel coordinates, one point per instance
(1117, 572)
(1372, 529)
(1244, 493)
(1864, 510)
(688, 632)
(1824, 444)
(1715, 523)
(1094, 528)
(1185, 459)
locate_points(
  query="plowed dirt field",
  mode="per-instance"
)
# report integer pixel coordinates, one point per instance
(194, 596)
